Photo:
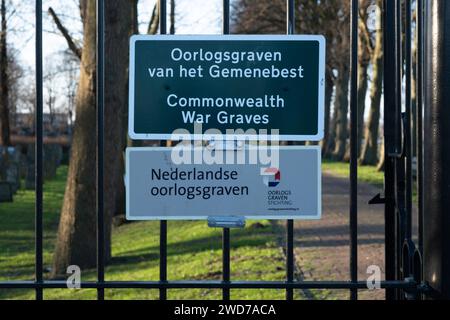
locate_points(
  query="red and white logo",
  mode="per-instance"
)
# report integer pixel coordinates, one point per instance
(271, 176)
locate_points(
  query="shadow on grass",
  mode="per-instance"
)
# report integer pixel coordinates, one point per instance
(238, 240)
(133, 258)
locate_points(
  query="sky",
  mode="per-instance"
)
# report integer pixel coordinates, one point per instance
(192, 17)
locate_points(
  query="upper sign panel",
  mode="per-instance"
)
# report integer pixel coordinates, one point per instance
(248, 83)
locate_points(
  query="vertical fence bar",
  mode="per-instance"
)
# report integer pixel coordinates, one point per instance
(354, 149)
(226, 262)
(399, 74)
(290, 18)
(39, 153)
(163, 257)
(226, 17)
(172, 17)
(163, 223)
(407, 244)
(100, 147)
(400, 168)
(290, 29)
(408, 118)
(290, 258)
(419, 111)
(226, 269)
(437, 148)
(163, 16)
(390, 143)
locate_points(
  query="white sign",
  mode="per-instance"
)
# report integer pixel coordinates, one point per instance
(159, 189)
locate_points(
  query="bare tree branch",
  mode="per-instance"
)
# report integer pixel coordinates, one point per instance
(154, 21)
(366, 34)
(70, 42)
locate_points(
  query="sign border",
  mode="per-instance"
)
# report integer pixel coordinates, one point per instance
(167, 136)
(318, 150)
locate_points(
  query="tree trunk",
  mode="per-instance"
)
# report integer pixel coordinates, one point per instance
(119, 27)
(369, 154)
(126, 141)
(134, 16)
(341, 113)
(77, 243)
(414, 98)
(328, 96)
(331, 140)
(154, 21)
(364, 46)
(5, 139)
(362, 91)
(380, 165)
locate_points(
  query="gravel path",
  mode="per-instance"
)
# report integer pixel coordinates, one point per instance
(322, 247)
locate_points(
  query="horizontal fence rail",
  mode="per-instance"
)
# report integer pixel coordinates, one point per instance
(209, 284)
(39, 154)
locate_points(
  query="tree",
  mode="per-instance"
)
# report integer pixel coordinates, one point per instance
(365, 51)
(71, 71)
(16, 74)
(380, 165)
(134, 16)
(76, 242)
(329, 88)
(27, 99)
(119, 27)
(259, 17)
(5, 138)
(154, 21)
(340, 120)
(364, 54)
(49, 84)
(329, 18)
(369, 153)
(341, 103)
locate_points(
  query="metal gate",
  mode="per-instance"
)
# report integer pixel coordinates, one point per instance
(403, 256)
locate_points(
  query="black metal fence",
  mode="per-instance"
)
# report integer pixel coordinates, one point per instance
(403, 256)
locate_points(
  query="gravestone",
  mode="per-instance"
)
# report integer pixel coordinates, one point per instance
(16, 154)
(29, 177)
(29, 168)
(2, 165)
(6, 194)
(13, 176)
(4, 156)
(9, 166)
(23, 166)
(30, 153)
(52, 160)
(20, 159)
(58, 154)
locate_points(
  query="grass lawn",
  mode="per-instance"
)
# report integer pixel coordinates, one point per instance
(368, 174)
(194, 252)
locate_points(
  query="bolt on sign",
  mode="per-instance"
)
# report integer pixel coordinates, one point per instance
(227, 83)
(158, 188)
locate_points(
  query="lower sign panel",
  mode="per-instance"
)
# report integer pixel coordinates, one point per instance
(287, 185)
